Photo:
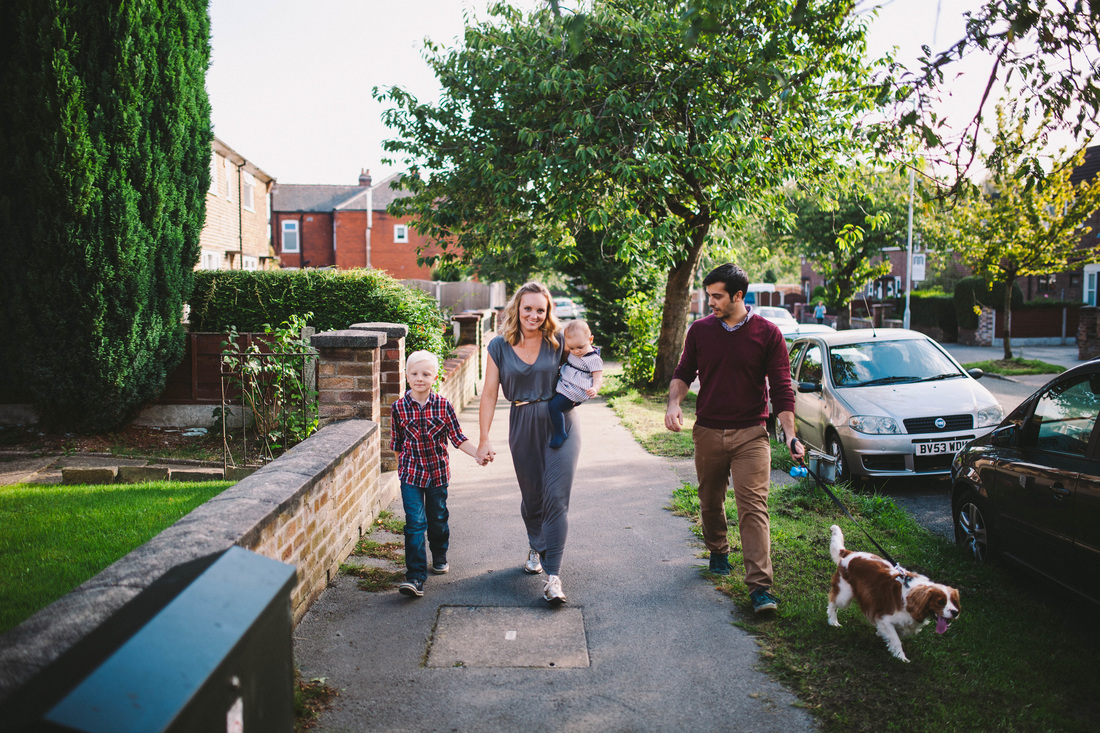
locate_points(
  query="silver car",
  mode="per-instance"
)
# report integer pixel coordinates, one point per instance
(886, 402)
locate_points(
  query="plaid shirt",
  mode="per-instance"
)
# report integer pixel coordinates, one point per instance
(419, 436)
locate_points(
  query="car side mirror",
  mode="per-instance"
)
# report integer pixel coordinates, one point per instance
(975, 372)
(1004, 437)
(809, 386)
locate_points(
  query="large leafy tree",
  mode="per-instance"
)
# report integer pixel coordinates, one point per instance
(1010, 228)
(105, 138)
(843, 229)
(624, 122)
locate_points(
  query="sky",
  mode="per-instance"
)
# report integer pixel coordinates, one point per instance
(290, 81)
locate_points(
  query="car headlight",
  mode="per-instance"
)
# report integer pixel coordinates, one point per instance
(873, 425)
(990, 416)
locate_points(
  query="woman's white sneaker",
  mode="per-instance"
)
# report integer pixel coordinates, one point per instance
(533, 566)
(553, 593)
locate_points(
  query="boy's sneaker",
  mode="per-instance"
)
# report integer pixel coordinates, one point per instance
(763, 600)
(557, 439)
(720, 563)
(414, 588)
(533, 566)
(440, 567)
(553, 593)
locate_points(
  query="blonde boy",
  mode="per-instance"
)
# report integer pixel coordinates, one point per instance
(422, 421)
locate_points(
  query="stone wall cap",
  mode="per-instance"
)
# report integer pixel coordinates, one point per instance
(393, 330)
(349, 338)
(467, 317)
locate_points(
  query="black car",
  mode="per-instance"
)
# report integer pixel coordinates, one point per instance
(1029, 491)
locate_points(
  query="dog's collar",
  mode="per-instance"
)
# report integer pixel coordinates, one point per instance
(902, 576)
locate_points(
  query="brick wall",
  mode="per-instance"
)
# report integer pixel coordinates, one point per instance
(398, 258)
(314, 239)
(307, 508)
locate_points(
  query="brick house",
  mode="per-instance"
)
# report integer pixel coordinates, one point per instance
(235, 235)
(346, 227)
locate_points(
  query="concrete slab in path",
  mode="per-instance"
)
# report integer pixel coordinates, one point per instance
(663, 652)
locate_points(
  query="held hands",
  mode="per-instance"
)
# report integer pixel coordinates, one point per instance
(591, 391)
(485, 454)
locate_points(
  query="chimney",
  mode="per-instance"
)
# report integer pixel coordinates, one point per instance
(364, 178)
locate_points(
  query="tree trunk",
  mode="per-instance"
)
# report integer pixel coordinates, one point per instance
(1009, 282)
(674, 319)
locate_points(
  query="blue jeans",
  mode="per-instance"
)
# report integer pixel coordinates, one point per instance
(425, 510)
(559, 405)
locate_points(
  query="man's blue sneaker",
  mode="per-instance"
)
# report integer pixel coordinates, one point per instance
(414, 588)
(720, 563)
(763, 600)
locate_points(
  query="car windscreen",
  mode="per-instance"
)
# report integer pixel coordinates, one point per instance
(889, 362)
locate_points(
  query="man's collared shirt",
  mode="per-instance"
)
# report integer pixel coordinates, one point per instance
(740, 323)
(418, 434)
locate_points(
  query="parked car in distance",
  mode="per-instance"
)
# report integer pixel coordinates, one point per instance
(886, 402)
(1029, 491)
(788, 326)
(566, 309)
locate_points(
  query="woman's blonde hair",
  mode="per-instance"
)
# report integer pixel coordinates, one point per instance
(510, 327)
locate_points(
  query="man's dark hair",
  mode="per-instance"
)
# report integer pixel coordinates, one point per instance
(730, 275)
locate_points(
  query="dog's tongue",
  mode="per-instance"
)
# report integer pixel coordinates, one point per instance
(941, 624)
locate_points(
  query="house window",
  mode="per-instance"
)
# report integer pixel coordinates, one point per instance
(290, 236)
(211, 260)
(248, 186)
(1091, 272)
(250, 263)
(400, 233)
(1045, 283)
(214, 173)
(228, 180)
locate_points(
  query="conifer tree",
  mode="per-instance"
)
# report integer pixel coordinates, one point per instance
(105, 142)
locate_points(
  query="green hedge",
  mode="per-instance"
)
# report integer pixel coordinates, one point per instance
(931, 310)
(972, 291)
(337, 299)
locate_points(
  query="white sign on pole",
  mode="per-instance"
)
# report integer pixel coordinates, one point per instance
(918, 267)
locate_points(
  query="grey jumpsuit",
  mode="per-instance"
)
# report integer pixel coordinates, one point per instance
(545, 475)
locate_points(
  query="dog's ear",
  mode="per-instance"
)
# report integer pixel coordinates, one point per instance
(925, 601)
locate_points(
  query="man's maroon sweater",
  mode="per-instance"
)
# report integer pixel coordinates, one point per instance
(732, 366)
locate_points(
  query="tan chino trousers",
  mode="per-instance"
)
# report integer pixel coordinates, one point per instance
(744, 454)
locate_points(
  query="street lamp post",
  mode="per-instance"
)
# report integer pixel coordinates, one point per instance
(909, 254)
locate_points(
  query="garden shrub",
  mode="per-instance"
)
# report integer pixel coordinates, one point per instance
(643, 320)
(249, 300)
(971, 292)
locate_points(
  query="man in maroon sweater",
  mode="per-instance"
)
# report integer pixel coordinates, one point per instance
(737, 357)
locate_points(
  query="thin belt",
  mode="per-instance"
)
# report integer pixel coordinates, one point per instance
(520, 403)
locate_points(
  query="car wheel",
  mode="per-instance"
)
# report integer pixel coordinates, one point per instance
(972, 532)
(836, 450)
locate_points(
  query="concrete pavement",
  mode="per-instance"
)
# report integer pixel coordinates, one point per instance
(644, 643)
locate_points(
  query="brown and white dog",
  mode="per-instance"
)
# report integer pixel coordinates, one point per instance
(898, 602)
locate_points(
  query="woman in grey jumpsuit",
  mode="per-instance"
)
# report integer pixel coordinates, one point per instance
(523, 363)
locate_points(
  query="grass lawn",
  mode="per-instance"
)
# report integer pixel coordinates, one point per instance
(1021, 657)
(54, 537)
(1015, 367)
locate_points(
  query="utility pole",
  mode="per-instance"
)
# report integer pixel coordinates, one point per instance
(909, 254)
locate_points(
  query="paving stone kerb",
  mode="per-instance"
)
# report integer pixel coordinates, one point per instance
(307, 508)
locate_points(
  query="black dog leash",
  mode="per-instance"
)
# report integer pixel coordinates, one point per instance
(831, 495)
